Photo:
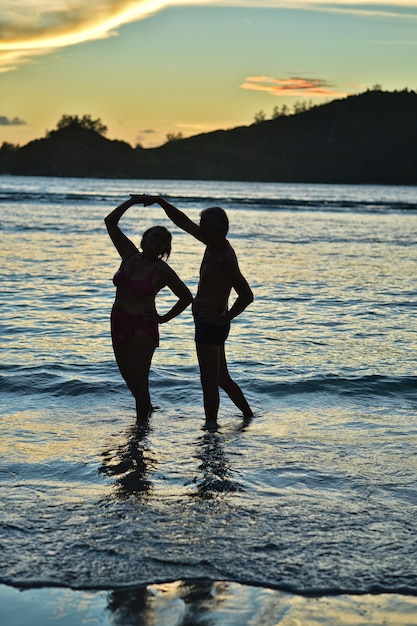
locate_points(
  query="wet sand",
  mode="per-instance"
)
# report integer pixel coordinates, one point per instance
(176, 603)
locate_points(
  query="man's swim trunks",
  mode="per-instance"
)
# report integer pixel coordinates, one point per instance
(206, 332)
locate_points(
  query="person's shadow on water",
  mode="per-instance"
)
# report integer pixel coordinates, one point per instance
(216, 478)
(130, 463)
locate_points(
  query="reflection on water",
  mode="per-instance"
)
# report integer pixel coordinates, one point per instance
(200, 603)
(178, 603)
(129, 463)
(215, 467)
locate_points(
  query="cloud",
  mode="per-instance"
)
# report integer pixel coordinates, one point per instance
(32, 24)
(11, 59)
(389, 8)
(34, 27)
(15, 121)
(295, 86)
(145, 135)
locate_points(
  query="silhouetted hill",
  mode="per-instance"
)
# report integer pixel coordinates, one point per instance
(368, 138)
(70, 151)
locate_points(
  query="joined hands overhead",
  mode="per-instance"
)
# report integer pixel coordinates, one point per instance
(144, 198)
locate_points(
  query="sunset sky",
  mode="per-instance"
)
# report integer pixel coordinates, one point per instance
(147, 68)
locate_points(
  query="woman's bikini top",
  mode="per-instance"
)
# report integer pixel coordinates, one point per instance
(140, 287)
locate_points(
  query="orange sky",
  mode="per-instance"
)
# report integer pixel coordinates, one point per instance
(151, 67)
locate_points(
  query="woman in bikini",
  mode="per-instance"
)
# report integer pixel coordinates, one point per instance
(134, 319)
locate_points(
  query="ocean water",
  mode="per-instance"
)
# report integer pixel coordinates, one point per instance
(315, 497)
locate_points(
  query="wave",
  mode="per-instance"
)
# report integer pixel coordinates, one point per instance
(100, 381)
(285, 204)
(39, 380)
(333, 384)
(401, 589)
(52, 197)
(229, 202)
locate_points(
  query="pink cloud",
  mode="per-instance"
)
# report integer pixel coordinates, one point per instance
(295, 86)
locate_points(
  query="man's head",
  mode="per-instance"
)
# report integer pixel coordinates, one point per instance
(214, 222)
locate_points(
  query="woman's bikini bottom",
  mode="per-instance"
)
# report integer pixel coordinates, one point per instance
(124, 326)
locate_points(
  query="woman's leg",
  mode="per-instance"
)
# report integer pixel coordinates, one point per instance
(134, 362)
(121, 353)
(140, 353)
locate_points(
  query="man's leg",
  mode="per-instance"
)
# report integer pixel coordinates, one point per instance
(230, 387)
(208, 360)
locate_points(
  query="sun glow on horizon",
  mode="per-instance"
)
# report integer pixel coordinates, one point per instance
(157, 68)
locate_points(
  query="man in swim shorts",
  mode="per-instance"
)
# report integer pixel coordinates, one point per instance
(206, 332)
(219, 273)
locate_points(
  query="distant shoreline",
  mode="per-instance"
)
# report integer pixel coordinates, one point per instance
(366, 139)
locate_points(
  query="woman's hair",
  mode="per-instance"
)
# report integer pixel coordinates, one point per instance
(167, 250)
(217, 217)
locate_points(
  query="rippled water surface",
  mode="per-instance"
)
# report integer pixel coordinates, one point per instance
(316, 495)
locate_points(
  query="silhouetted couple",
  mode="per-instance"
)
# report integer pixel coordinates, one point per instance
(144, 272)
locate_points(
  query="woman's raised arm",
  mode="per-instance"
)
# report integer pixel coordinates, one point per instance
(122, 243)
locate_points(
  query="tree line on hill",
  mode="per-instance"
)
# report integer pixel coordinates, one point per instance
(365, 138)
